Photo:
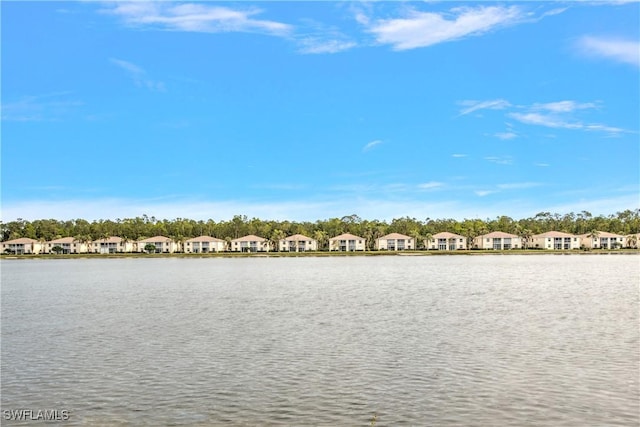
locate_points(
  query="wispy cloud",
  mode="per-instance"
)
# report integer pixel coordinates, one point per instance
(318, 45)
(458, 155)
(615, 49)
(138, 75)
(483, 193)
(48, 107)
(542, 165)
(555, 121)
(422, 29)
(506, 135)
(504, 160)
(195, 17)
(494, 104)
(431, 185)
(518, 185)
(371, 145)
(564, 106)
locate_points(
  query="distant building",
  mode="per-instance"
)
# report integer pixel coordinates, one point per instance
(22, 246)
(204, 244)
(603, 240)
(446, 241)
(250, 243)
(347, 243)
(162, 244)
(112, 245)
(395, 242)
(297, 243)
(554, 240)
(67, 245)
(497, 240)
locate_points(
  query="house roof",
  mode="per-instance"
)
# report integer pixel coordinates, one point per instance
(446, 235)
(347, 236)
(111, 239)
(603, 234)
(554, 234)
(249, 238)
(21, 240)
(64, 240)
(395, 236)
(499, 234)
(204, 239)
(297, 237)
(156, 239)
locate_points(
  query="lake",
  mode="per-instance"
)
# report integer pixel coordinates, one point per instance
(509, 340)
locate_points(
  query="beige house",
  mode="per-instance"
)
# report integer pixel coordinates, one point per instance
(555, 240)
(603, 240)
(22, 246)
(68, 245)
(250, 243)
(347, 243)
(446, 241)
(112, 245)
(163, 245)
(297, 243)
(395, 242)
(497, 240)
(204, 244)
(632, 241)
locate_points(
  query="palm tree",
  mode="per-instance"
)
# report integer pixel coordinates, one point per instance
(632, 240)
(427, 238)
(593, 235)
(525, 234)
(321, 237)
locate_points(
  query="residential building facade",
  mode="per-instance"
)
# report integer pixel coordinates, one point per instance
(347, 243)
(250, 243)
(395, 242)
(162, 244)
(603, 240)
(554, 240)
(497, 240)
(22, 246)
(446, 241)
(204, 244)
(297, 243)
(65, 245)
(113, 245)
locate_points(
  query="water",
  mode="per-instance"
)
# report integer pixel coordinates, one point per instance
(444, 340)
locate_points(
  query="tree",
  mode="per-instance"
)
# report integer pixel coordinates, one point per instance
(57, 249)
(149, 247)
(321, 237)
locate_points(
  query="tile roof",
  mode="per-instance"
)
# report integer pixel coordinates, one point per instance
(395, 236)
(156, 239)
(21, 240)
(297, 237)
(499, 234)
(346, 236)
(204, 239)
(446, 235)
(553, 234)
(250, 238)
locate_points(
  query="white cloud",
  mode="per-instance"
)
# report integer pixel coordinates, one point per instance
(421, 29)
(195, 17)
(430, 185)
(619, 50)
(138, 75)
(458, 156)
(564, 106)
(518, 185)
(504, 160)
(471, 106)
(506, 135)
(542, 165)
(371, 144)
(555, 121)
(483, 193)
(313, 45)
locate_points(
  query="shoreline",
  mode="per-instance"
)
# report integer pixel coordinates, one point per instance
(321, 254)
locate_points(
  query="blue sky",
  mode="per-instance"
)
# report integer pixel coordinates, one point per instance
(311, 110)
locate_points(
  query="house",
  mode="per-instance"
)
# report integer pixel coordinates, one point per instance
(347, 243)
(395, 242)
(446, 241)
(497, 240)
(633, 241)
(22, 246)
(66, 245)
(162, 244)
(250, 243)
(602, 240)
(555, 240)
(297, 243)
(204, 244)
(112, 245)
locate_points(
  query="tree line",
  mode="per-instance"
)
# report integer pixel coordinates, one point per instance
(625, 223)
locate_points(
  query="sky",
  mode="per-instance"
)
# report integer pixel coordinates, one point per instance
(312, 110)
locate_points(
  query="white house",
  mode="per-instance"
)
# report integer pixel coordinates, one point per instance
(203, 245)
(603, 240)
(163, 245)
(67, 245)
(22, 246)
(446, 241)
(554, 240)
(395, 242)
(297, 243)
(112, 245)
(250, 243)
(497, 240)
(347, 243)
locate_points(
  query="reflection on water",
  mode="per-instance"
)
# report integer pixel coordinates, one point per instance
(448, 340)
